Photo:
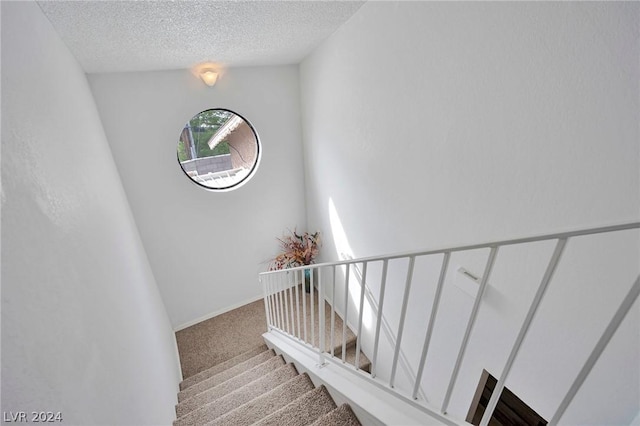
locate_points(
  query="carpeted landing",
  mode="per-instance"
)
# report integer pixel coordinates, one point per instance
(220, 338)
(257, 387)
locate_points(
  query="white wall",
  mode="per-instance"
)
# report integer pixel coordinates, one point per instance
(434, 124)
(205, 248)
(84, 330)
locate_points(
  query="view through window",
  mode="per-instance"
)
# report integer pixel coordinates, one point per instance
(218, 150)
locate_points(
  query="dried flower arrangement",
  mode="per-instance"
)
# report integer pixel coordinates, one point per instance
(297, 250)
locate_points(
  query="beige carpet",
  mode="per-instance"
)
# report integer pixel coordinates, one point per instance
(225, 336)
(221, 338)
(232, 378)
(260, 390)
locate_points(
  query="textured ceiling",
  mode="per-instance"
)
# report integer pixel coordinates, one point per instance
(108, 36)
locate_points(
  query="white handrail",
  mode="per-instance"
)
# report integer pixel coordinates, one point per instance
(453, 249)
(278, 318)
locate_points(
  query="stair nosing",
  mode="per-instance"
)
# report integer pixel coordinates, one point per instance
(186, 383)
(273, 391)
(189, 391)
(288, 366)
(199, 394)
(320, 389)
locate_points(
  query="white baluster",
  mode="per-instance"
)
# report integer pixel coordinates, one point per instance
(321, 317)
(432, 321)
(470, 324)
(383, 283)
(344, 320)
(608, 333)
(333, 307)
(403, 313)
(297, 304)
(497, 390)
(304, 305)
(362, 288)
(313, 318)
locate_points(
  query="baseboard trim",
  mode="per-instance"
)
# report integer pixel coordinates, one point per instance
(216, 313)
(180, 377)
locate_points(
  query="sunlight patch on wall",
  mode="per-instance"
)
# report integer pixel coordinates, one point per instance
(340, 240)
(345, 252)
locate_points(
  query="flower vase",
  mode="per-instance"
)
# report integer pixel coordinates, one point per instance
(307, 280)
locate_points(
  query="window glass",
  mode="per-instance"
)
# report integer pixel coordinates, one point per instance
(218, 150)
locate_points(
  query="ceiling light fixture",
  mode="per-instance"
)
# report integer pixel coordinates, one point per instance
(209, 76)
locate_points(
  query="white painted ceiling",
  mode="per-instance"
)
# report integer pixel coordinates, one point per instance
(112, 36)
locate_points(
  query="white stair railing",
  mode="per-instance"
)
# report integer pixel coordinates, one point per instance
(282, 297)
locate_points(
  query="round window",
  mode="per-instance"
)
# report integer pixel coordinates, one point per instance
(219, 150)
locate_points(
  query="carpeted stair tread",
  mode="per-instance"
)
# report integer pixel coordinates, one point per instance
(337, 328)
(225, 375)
(228, 386)
(337, 350)
(343, 416)
(350, 358)
(247, 384)
(303, 411)
(240, 396)
(189, 381)
(270, 402)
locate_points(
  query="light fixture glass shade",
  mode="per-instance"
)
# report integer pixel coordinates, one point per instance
(209, 77)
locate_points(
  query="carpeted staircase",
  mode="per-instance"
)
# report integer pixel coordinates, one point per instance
(257, 387)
